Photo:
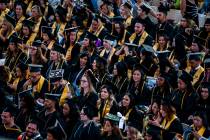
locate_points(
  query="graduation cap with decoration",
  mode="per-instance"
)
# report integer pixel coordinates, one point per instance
(186, 77)
(53, 97)
(58, 48)
(56, 75)
(199, 56)
(28, 23)
(35, 68)
(10, 20)
(207, 63)
(113, 118)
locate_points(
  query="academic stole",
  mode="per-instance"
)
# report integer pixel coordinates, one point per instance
(51, 44)
(98, 31)
(166, 124)
(141, 40)
(64, 95)
(39, 85)
(196, 75)
(3, 13)
(105, 110)
(110, 54)
(68, 53)
(19, 24)
(122, 41)
(128, 21)
(200, 131)
(127, 114)
(61, 28)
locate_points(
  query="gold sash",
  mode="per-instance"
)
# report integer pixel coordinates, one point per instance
(128, 21)
(50, 44)
(19, 24)
(127, 114)
(98, 31)
(122, 41)
(197, 74)
(61, 28)
(39, 85)
(68, 53)
(141, 40)
(200, 131)
(111, 53)
(3, 13)
(64, 95)
(28, 10)
(166, 124)
(106, 109)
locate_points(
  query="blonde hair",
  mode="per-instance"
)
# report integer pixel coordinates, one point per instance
(38, 9)
(10, 27)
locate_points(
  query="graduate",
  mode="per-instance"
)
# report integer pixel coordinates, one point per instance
(37, 82)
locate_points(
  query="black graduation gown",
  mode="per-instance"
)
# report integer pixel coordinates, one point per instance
(46, 121)
(204, 105)
(175, 127)
(184, 104)
(161, 92)
(89, 101)
(74, 53)
(165, 28)
(141, 94)
(147, 41)
(23, 118)
(12, 132)
(134, 117)
(89, 132)
(43, 90)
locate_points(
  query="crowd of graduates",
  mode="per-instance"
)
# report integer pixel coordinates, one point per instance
(104, 70)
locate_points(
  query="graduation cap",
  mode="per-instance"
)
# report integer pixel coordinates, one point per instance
(25, 93)
(186, 77)
(199, 56)
(22, 4)
(15, 39)
(22, 66)
(56, 75)
(142, 68)
(72, 29)
(10, 20)
(57, 131)
(131, 46)
(199, 41)
(207, 21)
(28, 23)
(90, 36)
(61, 11)
(163, 8)
(46, 29)
(113, 118)
(128, 5)
(145, 8)
(36, 43)
(35, 68)
(53, 97)
(110, 37)
(154, 131)
(141, 21)
(108, 2)
(207, 63)
(11, 109)
(111, 86)
(58, 48)
(147, 48)
(163, 54)
(118, 19)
